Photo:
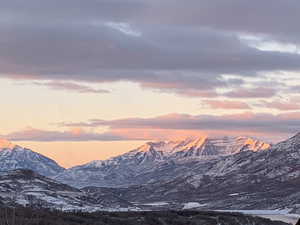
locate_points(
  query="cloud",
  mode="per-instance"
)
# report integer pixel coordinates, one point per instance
(267, 124)
(250, 17)
(280, 105)
(75, 134)
(80, 88)
(226, 104)
(254, 17)
(264, 125)
(259, 92)
(109, 41)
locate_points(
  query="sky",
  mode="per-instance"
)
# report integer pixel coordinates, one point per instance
(85, 80)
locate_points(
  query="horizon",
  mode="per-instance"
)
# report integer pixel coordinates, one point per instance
(95, 79)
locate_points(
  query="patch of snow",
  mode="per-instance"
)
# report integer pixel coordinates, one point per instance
(192, 205)
(156, 204)
(260, 212)
(277, 214)
(234, 194)
(287, 218)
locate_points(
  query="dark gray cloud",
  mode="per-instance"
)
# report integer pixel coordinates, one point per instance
(170, 45)
(67, 11)
(276, 20)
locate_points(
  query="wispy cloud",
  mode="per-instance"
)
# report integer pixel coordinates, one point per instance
(274, 126)
(281, 105)
(226, 104)
(71, 86)
(75, 134)
(269, 126)
(259, 92)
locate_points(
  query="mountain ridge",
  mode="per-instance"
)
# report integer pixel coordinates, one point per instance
(16, 157)
(257, 178)
(246, 180)
(119, 170)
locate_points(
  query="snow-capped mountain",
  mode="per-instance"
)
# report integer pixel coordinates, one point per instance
(246, 180)
(227, 173)
(16, 157)
(124, 170)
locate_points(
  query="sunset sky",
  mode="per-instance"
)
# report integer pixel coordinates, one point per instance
(83, 80)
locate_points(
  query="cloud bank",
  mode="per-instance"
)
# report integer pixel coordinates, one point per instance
(272, 127)
(186, 53)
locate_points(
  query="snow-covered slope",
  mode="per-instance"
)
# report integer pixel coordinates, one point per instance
(227, 173)
(246, 180)
(27, 188)
(16, 157)
(122, 170)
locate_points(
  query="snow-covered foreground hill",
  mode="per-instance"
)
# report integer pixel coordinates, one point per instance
(27, 188)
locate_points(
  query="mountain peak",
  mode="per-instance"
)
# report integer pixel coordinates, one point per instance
(16, 157)
(6, 144)
(200, 146)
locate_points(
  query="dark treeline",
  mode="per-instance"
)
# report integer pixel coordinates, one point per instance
(28, 216)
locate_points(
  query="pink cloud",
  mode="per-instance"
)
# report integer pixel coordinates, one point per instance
(75, 134)
(226, 104)
(248, 123)
(260, 92)
(284, 106)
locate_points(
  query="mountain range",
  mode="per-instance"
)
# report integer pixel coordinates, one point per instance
(207, 173)
(134, 167)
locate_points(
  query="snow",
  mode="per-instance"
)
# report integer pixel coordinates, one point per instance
(192, 205)
(151, 156)
(234, 194)
(260, 212)
(156, 204)
(17, 157)
(288, 218)
(277, 214)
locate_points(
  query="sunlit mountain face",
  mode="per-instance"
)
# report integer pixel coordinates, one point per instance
(5, 144)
